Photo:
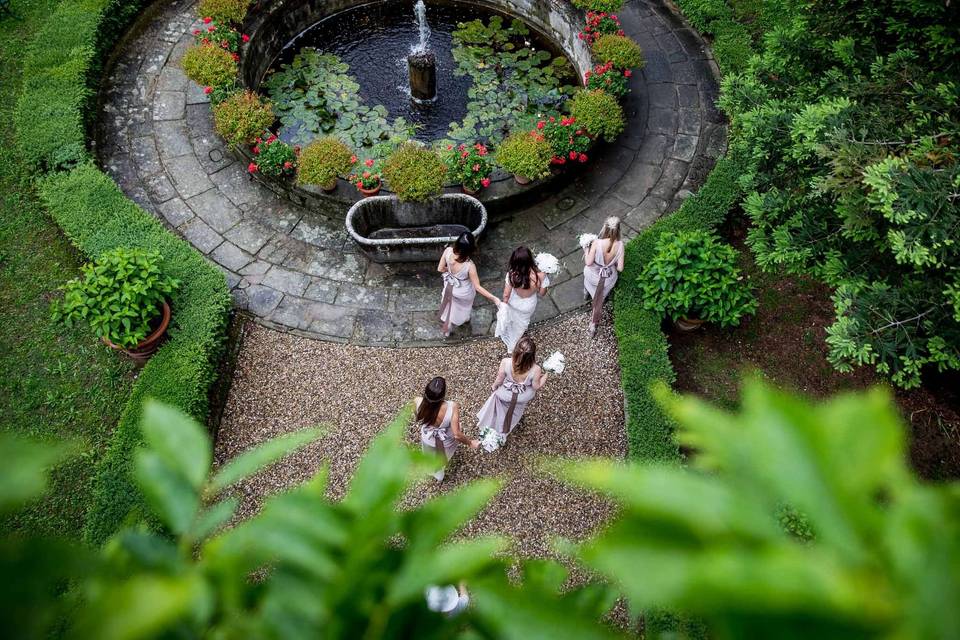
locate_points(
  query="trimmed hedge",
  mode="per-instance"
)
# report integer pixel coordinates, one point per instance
(97, 216)
(52, 116)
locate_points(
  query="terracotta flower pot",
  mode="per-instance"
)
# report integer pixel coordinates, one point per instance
(689, 324)
(522, 180)
(330, 187)
(370, 192)
(149, 345)
(470, 192)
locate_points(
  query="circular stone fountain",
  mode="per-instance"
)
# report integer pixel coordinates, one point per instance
(293, 268)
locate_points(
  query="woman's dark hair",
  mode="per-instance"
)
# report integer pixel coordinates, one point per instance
(464, 247)
(524, 355)
(433, 396)
(521, 266)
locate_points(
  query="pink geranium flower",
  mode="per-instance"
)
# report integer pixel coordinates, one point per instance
(208, 90)
(485, 182)
(252, 167)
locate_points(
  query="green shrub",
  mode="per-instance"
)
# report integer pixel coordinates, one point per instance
(414, 172)
(97, 217)
(242, 117)
(225, 11)
(608, 78)
(323, 160)
(209, 65)
(526, 154)
(119, 295)
(618, 50)
(694, 275)
(606, 6)
(599, 113)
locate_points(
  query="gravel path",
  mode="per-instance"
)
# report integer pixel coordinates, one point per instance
(284, 382)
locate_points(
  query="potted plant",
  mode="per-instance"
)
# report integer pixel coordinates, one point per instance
(619, 50)
(693, 278)
(367, 179)
(612, 80)
(122, 295)
(606, 6)
(526, 155)
(414, 172)
(323, 161)
(470, 165)
(569, 142)
(598, 112)
(242, 117)
(209, 65)
(599, 23)
(274, 157)
(225, 11)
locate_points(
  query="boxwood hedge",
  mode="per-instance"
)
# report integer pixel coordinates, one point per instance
(52, 117)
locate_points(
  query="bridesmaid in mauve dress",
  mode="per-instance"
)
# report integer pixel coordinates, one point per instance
(460, 283)
(518, 380)
(603, 262)
(439, 422)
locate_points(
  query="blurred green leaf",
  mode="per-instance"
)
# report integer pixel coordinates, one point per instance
(249, 462)
(27, 463)
(178, 440)
(173, 499)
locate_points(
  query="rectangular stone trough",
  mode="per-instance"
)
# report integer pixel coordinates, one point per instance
(388, 230)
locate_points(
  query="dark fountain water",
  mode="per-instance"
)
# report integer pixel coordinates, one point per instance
(376, 40)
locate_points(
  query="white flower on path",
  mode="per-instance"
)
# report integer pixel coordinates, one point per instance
(556, 363)
(490, 440)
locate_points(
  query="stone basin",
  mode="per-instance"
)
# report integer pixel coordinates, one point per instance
(388, 230)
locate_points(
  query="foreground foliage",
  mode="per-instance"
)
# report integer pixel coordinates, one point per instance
(884, 558)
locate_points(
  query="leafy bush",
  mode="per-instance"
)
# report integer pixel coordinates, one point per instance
(856, 176)
(97, 217)
(225, 11)
(620, 51)
(209, 65)
(323, 160)
(242, 117)
(274, 157)
(119, 295)
(598, 113)
(605, 6)
(471, 166)
(414, 172)
(368, 176)
(608, 78)
(694, 275)
(706, 540)
(526, 154)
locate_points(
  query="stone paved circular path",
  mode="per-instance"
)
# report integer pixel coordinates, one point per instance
(296, 270)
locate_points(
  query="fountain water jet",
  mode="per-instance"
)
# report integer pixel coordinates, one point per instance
(421, 62)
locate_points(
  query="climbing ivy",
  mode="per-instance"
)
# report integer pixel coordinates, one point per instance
(315, 95)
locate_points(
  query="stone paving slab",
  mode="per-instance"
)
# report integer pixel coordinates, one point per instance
(297, 270)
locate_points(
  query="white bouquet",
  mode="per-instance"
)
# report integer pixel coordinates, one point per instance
(555, 363)
(490, 440)
(586, 239)
(547, 263)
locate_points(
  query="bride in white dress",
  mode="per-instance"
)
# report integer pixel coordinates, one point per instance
(523, 286)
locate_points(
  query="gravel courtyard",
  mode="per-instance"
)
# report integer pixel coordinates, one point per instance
(284, 382)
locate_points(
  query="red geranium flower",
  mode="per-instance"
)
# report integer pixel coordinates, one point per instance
(476, 167)
(196, 32)
(573, 155)
(252, 167)
(368, 162)
(211, 29)
(353, 159)
(245, 38)
(236, 58)
(207, 20)
(540, 125)
(583, 157)
(208, 90)
(256, 150)
(485, 182)
(287, 164)
(627, 72)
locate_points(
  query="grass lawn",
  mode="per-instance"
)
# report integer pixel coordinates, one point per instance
(55, 382)
(785, 344)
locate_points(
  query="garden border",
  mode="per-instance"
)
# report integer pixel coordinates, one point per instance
(52, 119)
(643, 347)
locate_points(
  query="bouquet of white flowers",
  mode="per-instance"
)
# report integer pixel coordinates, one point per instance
(555, 363)
(586, 239)
(547, 263)
(490, 440)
